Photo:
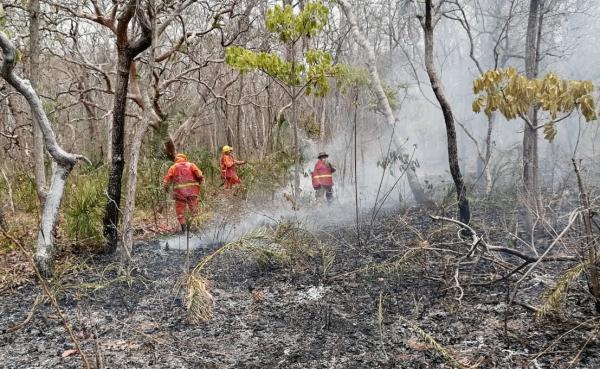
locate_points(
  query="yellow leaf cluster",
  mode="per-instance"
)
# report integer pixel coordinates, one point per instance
(512, 94)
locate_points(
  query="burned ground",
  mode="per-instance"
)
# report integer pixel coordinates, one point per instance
(389, 302)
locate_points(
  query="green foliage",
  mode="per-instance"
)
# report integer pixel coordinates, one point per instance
(267, 175)
(312, 127)
(320, 66)
(84, 207)
(149, 192)
(24, 193)
(290, 27)
(392, 97)
(310, 74)
(351, 79)
(245, 60)
(208, 164)
(513, 95)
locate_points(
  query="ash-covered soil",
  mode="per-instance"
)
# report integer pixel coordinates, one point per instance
(349, 312)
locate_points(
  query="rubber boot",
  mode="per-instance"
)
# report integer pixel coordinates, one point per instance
(183, 228)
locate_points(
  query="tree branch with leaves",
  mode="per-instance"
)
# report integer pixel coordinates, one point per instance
(295, 76)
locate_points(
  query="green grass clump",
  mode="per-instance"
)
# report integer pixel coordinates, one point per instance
(84, 206)
(24, 193)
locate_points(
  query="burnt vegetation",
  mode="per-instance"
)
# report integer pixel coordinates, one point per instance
(456, 237)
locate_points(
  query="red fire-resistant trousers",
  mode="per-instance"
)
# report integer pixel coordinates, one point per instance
(232, 181)
(180, 205)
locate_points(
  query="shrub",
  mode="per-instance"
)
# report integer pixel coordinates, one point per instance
(149, 192)
(24, 193)
(267, 175)
(208, 164)
(84, 206)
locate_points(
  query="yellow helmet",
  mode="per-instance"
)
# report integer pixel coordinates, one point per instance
(181, 155)
(227, 149)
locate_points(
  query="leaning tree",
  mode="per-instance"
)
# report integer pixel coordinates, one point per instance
(65, 161)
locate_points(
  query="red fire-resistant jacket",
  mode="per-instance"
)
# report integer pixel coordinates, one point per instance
(322, 174)
(186, 178)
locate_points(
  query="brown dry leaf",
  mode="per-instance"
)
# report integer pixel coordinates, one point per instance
(258, 296)
(68, 353)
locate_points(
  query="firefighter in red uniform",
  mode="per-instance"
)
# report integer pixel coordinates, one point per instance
(227, 164)
(322, 178)
(186, 179)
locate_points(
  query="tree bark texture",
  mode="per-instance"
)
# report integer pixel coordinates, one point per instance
(487, 171)
(126, 51)
(436, 84)
(134, 152)
(111, 217)
(3, 225)
(294, 100)
(297, 166)
(411, 175)
(530, 136)
(39, 168)
(44, 253)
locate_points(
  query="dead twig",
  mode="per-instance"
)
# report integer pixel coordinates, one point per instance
(591, 242)
(52, 300)
(476, 240)
(554, 342)
(572, 218)
(32, 311)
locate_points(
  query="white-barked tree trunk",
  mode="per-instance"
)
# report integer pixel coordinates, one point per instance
(411, 174)
(65, 161)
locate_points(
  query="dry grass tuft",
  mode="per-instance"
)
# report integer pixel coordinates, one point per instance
(557, 294)
(398, 264)
(285, 244)
(198, 301)
(434, 345)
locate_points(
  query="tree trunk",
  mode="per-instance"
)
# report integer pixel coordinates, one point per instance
(39, 168)
(3, 225)
(297, 168)
(111, 216)
(487, 171)
(530, 137)
(411, 174)
(238, 120)
(296, 149)
(44, 254)
(134, 157)
(591, 242)
(136, 145)
(322, 135)
(461, 192)
(127, 50)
